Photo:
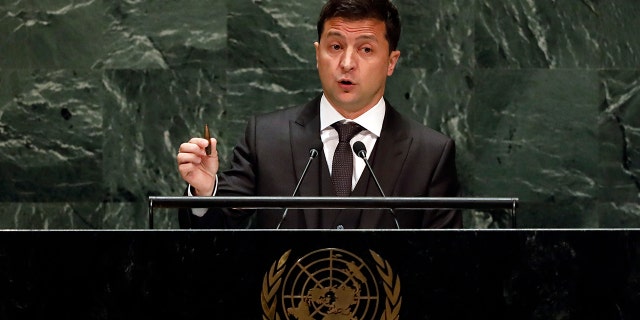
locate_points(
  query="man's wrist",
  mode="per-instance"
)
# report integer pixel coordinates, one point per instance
(192, 192)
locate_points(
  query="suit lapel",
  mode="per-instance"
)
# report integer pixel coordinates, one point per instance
(305, 134)
(392, 149)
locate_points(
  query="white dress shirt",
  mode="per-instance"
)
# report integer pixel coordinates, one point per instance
(371, 121)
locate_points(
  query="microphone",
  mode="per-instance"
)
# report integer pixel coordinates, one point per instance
(313, 153)
(361, 151)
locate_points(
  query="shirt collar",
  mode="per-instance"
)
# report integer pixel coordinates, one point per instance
(370, 120)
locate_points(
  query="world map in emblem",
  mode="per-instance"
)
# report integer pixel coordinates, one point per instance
(330, 284)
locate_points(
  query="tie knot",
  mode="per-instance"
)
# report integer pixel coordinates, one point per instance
(347, 130)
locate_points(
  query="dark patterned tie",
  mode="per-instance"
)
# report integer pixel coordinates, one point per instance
(342, 164)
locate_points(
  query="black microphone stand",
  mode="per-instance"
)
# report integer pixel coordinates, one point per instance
(313, 153)
(361, 151)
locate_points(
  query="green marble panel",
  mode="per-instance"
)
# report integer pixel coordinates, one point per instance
(619, 125)
(272, 33)
(557, 34)
(64, 215)
(165, 34)
(96, 97)
(112, 34)
(156, 111)
(534, 136)
(53, 34)
(51, 135)
(437, 34)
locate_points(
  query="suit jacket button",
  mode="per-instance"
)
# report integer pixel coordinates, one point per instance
(340, 227)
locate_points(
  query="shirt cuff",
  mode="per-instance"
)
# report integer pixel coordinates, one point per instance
(199, 212)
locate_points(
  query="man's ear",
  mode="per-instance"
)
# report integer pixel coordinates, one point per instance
(393, 61)
(317, 46)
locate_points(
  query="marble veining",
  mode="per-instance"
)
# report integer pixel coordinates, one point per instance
(541, 98)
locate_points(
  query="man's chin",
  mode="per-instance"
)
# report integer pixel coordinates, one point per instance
(350, 106)
(347, 102)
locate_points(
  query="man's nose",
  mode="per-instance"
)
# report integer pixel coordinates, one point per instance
(348, 61)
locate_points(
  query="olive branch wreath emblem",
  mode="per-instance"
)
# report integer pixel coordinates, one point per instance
(273, 280)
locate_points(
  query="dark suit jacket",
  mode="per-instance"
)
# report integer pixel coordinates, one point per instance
(409, 159)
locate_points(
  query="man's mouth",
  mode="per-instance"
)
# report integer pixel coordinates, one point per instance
(346, 84)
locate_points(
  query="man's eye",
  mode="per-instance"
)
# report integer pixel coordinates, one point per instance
(367, 50)
(335, 47)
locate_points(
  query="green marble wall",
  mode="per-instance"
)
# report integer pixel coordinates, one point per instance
(542, 97)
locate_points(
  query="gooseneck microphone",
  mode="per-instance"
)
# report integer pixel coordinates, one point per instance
(361, 151)
(313, 153)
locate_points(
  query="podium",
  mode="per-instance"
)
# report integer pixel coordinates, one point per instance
(251, 274)
(321, 274)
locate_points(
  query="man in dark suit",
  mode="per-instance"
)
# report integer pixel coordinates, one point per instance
(356, 51)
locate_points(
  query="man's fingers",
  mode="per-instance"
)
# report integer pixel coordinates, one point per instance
(202, 143)
(188, 157)
(186, 169)
(197, 146)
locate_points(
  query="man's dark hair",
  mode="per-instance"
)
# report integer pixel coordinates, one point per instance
(382, 10)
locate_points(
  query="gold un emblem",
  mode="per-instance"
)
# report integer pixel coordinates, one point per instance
(331, 284)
